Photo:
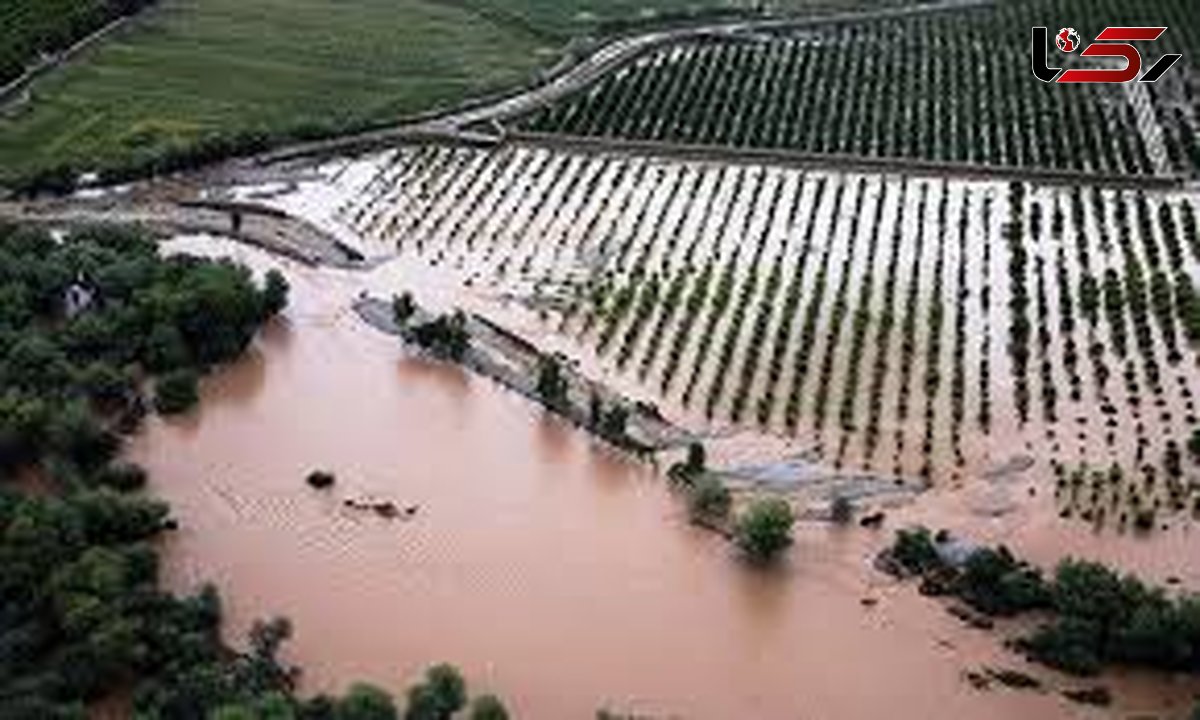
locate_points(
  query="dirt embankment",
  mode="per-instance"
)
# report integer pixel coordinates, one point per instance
(510, 360)
(253, 224)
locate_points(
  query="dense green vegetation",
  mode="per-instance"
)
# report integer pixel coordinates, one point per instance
(945, 86)
(445, 336)
(764, 529)
(84, 321)
(1095, 616)
(32, 27)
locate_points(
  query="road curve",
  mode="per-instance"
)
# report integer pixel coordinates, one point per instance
(456, 125)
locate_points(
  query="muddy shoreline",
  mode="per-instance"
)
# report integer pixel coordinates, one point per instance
(512, 362)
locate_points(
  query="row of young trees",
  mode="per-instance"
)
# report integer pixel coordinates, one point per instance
(757, 294)
(938, 86)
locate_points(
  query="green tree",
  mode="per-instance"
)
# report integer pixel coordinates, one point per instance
(104, 383)
(403, 308)
(176, 392)
(488, 707)
(275, 293)
(76, 435)
(696, 458)
(164, 349)
(709, 500)
(551, 384)
(366, 702)
(764, 529)
(442, 693)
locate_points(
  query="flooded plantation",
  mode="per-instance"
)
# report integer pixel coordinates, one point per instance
(735, 360)
(902, 326)
(549, 567)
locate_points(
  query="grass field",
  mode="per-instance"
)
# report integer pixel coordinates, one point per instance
(193, 69)
(196, 67)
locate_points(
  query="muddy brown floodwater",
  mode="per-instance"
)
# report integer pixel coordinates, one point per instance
(553, 572)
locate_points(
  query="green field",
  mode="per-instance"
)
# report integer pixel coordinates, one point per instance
(196, 67)
(188, 70)
(29, 28)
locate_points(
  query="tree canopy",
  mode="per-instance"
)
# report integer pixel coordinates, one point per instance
(764, 529)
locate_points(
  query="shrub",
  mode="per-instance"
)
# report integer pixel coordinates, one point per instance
(551, 383)
(445, 336)
(443, 693)
(488, 707)
(403, 308)
(709, 500)
(275, 293)
(321, 479)
(841, 511)
(915, 551)
(176, 392)
(764, 530)
(125, 477)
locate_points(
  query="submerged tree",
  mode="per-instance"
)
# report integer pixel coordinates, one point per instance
(488, 707)
(442, 693)
(764, 530)
(551, 383)
(709, 501)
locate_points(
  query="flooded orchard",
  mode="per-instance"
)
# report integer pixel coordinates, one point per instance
(549, 568)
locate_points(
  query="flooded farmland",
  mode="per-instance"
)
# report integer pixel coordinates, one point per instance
(550, 569)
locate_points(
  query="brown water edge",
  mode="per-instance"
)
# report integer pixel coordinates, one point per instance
(553, 572)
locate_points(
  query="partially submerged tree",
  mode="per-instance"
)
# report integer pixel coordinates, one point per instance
(709, 501)
(488, 707)
(275, 293)
(176, 392)
(403, 308)
(552, 383)
(445, 336)
(442, 693)
(764, 529)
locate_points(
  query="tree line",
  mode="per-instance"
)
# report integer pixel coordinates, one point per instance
(32, 27)
(1093, 616)
(86, 321)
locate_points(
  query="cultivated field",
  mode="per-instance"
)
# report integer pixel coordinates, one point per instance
(944, 86)
(189, 71)
(31, 27)
(196, 68)
(904, 325)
